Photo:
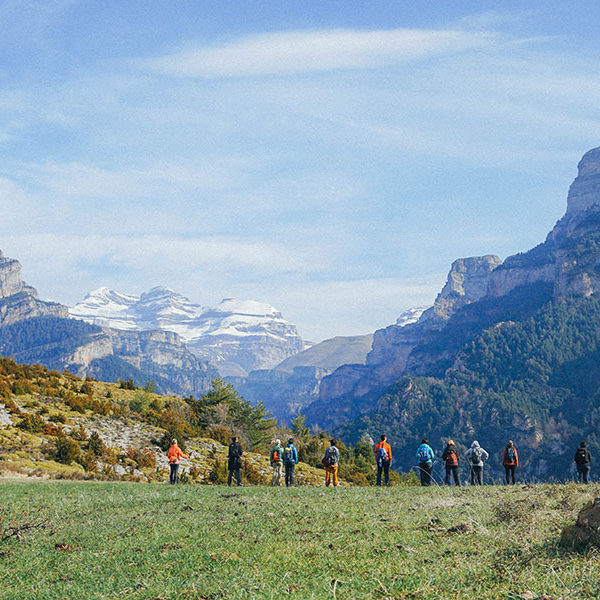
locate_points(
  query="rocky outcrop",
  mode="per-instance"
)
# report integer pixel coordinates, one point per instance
(19, 301)
(467, 282)
(586, 530)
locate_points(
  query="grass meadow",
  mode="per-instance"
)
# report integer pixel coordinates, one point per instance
(91, 540)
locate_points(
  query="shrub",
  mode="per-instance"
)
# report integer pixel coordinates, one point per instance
(218, 474)
(96, 445)
(12, 407)
(142, 458)
(126, 385)
(220, 434)
(89, 461)
(59, 418)
(67, 450)
(140, 401)
(252, 475)
(32, 422)
(80, 434)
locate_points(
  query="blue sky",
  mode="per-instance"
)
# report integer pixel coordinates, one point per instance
(330, 158)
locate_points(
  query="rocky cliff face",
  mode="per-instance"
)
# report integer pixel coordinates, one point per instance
(237, 336)
(481, 291)
(35, 331)
(19, 301)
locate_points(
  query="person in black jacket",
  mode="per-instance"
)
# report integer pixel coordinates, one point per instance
(235, 461)
(582, 459)
(451, 458)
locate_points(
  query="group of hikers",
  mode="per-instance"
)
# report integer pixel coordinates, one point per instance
(284, 459)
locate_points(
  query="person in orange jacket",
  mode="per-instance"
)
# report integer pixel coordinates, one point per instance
(383, 456)
(174, 454)
(510, 461)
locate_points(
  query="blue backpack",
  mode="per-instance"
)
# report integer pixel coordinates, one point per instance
(382, 455)
(423, 454)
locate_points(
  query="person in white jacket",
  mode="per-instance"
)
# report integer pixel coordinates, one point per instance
(475, 457)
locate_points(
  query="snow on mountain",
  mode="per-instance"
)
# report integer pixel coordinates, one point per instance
(412, 315)
(237, 336)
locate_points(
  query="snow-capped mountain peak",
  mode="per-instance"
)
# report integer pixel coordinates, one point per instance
(236, 336)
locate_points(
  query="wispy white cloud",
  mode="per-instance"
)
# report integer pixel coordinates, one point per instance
(88, 181)
(313, 51)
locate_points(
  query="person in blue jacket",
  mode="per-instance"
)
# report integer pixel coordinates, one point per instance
(425, 460)
(290, 458)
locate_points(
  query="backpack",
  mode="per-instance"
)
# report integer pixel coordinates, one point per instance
(288, 455)
(476, 455)
(581, 456)
(451, 457)
(329, 457)
(382, 455)
(510, 455)
(423, 454)
(276, 455)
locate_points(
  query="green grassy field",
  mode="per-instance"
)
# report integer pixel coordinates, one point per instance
(118, 540)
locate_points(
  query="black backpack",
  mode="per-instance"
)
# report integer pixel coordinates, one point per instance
(510, 454)
(476, 455)
(581, 456)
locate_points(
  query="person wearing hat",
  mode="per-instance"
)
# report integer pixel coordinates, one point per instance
(451, 458)
(174, 454)
(510, 461)
(277, 462)
(290, 458)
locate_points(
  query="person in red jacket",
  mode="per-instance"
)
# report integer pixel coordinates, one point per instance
(510, 461)
(383, 456)
(174, 454)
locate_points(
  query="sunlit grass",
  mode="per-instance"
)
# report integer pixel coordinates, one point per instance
(119, 540)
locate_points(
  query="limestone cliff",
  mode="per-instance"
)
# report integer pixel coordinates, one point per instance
(481, 292)
(19, 301)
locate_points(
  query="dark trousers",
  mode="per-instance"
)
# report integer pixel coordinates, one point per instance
(173, 473)
(289, 474)
(385, 467)
(476, 474)
(582, 473)
(425, 472)
(452, 469)
(238, 476)
(510, 471)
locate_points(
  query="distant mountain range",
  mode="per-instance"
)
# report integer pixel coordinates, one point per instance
(35, 331)
(237, 336)
(294, 384)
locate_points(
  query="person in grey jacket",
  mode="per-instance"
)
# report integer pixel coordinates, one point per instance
(475, 457)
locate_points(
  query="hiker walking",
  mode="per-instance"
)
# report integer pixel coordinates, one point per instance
(451, 458)
(277, 462)
(234, 462)
(510, 461)
(174, 454)
(582, 459)
(290, 458)
(425, 457)
(383, 457)
(476, 456)
(330, 462)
